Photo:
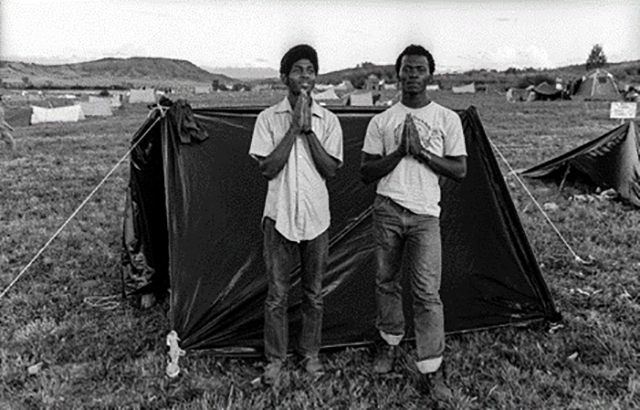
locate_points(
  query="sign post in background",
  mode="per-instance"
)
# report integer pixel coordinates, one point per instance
(623, 110)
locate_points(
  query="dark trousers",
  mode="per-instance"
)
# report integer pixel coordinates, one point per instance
(400, 234)
(280, 256)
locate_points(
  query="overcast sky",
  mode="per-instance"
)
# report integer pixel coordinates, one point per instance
(461, 34)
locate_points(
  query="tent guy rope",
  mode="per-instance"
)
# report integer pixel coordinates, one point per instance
(55, 235)
(515, 173)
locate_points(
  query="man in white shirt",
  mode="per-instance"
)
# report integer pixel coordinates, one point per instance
(298, 145)
(406, 150)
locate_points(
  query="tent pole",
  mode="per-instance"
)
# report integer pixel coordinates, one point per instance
(564, 178)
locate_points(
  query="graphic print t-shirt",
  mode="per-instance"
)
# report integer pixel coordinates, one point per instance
(412, 184)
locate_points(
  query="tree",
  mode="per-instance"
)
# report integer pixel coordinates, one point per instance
(596, 58)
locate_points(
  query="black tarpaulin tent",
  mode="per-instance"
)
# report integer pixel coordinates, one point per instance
(194, 225)
(609, 161)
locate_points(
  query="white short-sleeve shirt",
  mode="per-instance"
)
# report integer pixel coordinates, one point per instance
(297, 198)
(412, 184)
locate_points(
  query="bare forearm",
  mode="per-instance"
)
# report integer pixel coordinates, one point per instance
(450, 167)
(272, 164)
(325, 163)
(375, 167)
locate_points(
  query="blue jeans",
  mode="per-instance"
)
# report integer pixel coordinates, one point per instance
(281, 256)
(401, 234)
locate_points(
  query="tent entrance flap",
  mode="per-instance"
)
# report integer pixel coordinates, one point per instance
(211, 207)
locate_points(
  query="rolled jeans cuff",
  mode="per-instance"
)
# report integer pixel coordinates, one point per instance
(392, 340)
(429, 365)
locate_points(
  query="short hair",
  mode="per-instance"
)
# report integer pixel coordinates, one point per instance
(297, 53)
(416, 50)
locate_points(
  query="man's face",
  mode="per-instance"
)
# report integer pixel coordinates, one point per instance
(301, 77)
(414, 74)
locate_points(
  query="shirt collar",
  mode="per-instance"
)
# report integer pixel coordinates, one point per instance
(284, 106)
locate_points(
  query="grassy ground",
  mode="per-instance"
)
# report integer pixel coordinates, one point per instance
(61, 347)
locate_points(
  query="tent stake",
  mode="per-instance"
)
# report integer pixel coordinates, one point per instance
(564, 178)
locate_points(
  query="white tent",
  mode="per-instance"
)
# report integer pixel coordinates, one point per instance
(115, 100)
(433, 87)
(71, 113)
(326, 95)
(142, 96)
(322, 87)
(361, 98)
(344, 86)
(96, 108)
(202, 89)
(465, 89)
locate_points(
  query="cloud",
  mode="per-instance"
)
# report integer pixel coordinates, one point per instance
(505, 57)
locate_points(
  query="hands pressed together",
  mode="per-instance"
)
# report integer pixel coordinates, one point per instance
(302, 113)
(410, 143)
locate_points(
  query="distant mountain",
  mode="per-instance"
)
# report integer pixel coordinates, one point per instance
(135, 71)
(245, 73)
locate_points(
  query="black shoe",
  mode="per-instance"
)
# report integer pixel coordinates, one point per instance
(436, 385)
(385, 359)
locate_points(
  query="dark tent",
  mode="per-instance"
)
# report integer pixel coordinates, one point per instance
(195, 217)
(18, 116)
(546, 91)
(609, 161)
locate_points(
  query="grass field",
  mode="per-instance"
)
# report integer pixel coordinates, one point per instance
(61, 348)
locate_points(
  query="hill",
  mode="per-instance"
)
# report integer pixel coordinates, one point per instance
(627, 71)
(245, 73)
(109, 72)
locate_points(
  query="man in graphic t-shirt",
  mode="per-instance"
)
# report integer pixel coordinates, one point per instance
(406, 150)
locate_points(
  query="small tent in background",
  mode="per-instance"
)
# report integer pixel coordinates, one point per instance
(72, 113)
(203, 89)
(322, 87)
(326, 95)
(344, 86)
(360, 99)
(598, 85)
(145, 95)
(609, 161)
(96, 108)
(372, 83)
(198, 202)
(433, 87)
(516, 94)
(544, 91)
(114, 100)
(18, 116)
(465, 89)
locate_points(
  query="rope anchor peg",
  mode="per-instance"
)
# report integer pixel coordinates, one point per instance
(173, 368)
